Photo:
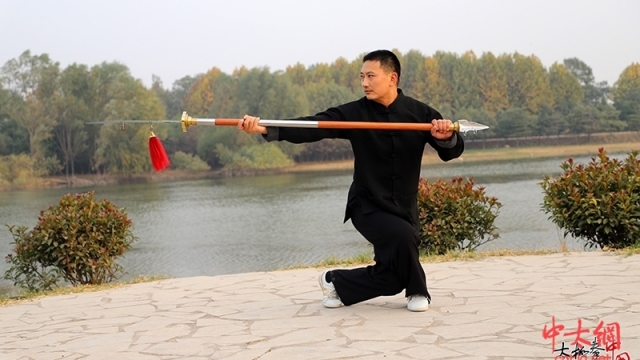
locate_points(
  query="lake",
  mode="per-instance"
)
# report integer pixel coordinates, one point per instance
(262, 223)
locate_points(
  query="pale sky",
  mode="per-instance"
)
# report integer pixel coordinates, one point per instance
(173, 39)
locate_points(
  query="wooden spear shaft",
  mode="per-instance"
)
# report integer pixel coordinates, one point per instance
(459, 126)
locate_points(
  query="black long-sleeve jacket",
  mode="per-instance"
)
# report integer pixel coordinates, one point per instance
(387, 163)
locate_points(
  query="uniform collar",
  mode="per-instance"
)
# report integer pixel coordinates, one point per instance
(393, 107)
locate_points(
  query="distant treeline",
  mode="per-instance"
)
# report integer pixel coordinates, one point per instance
(44, 108)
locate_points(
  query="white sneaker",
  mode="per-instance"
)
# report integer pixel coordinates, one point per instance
(418, 303)
(330, 297)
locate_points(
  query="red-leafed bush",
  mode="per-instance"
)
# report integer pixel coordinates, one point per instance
(78, 241)
(598, 202)
(455, 216)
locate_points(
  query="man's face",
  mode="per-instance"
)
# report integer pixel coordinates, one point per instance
(376, 82)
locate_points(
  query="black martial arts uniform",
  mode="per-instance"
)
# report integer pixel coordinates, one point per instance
(382, 200)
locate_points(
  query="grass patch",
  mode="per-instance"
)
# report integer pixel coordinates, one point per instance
(360, 259)
(632, 250)
(479, 255)
(30, 296)
(366, 258)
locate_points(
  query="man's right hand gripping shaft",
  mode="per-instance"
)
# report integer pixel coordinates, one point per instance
(249, 124)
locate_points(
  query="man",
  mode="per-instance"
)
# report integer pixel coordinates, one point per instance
(382, 200)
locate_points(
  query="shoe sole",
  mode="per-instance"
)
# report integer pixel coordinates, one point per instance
(418, 310)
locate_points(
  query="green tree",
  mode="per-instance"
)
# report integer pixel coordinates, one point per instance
(268, 95)
(354, 83)
(257, 93)
(457, 84)
(325, 95)
(321, 73)
(321, 97)
(32, 82)
(225, 101)
(209, 138)
(515, 122)
(73, 109)
(342, 74)
(437, 92)
(201, 95)
(13, 139)
(610, 118)
(174, 98)
(271, 96)
(466, 90)
(414, 74)
(106, 82)
(528, 83)
(594, 93)
(565, 88)
(445, 78)
(492, 84)
(126, 151)
(550, 122)
(298, 74)
(175, 101)
(584, 119)
(626, 95)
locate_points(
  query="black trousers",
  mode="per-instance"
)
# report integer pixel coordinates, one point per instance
(396, 255)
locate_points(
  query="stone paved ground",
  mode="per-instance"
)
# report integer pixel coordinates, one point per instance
(490, 309)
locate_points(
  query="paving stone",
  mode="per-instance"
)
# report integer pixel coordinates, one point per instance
(494, 309)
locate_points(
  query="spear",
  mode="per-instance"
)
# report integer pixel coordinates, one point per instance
(160, 160)
(187, 121)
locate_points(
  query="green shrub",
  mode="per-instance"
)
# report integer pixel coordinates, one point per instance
(23, 169)
(17, 169)
(77, 240)
(26, 271)
(47, 166)
(598, 202)
(253, 157)
(183, 161)
(455, 216)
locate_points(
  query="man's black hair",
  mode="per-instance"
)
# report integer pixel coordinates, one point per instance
(388, 60)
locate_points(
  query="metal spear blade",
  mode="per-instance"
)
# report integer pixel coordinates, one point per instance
(122, 122)
(466, 125)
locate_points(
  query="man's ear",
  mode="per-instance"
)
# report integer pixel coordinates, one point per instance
(394, 78)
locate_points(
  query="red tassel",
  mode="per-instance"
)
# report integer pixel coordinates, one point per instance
(159, 157)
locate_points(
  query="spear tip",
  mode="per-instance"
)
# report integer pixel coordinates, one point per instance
(466, 125)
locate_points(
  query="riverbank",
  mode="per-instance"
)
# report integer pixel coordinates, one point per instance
(469, 156)
(488, 155)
